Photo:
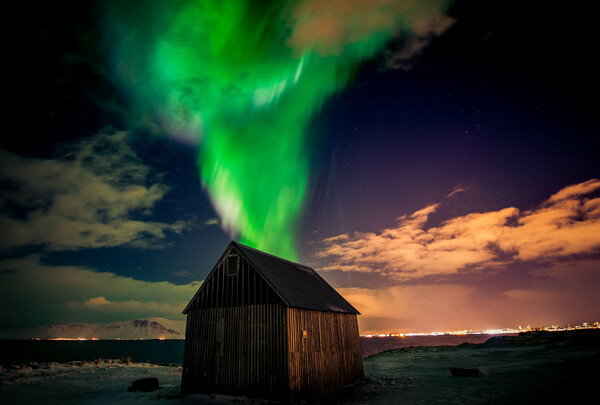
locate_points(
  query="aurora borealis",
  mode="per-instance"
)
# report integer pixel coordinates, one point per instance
(242, 81)
(435, 161)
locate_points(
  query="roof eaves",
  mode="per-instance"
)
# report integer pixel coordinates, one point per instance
(350, 310)
(336, 292)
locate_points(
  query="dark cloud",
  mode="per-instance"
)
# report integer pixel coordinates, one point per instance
(97, 193)
(39, 294)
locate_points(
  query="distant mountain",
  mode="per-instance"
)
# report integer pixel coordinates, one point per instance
(136, 329)
(178, 326)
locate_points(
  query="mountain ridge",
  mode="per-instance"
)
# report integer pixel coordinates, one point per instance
(133, 329)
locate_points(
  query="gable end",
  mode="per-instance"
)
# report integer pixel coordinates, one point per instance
(233, 281)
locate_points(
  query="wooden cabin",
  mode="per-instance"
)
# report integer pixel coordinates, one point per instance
(264, 327)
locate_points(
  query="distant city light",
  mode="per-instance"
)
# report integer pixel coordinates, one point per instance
(528, 328)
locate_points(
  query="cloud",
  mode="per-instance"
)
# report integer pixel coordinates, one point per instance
(36, 294)
(456, 190)
(96, 302)
(575, 190)
(347, 268)
(566, 293)
(425, 29)
(212, 222)
(567, 224)
(96, 193)
(134, 309)
(329, 27)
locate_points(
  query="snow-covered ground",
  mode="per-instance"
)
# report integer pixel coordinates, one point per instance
(75, 382)
(528, 369)
(103, 382)
(525, 369)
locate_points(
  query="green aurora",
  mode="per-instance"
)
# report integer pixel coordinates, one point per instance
(241, 80)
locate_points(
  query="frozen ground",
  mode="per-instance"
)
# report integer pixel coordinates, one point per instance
(527, 369)
(90, 383)
(96, 383)
(530, 369)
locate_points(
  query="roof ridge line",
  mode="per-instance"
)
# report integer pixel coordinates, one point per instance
(273, 256)
(258, 270)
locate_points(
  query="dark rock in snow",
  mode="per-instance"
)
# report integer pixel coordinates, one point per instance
(464, 372)
(144, 384)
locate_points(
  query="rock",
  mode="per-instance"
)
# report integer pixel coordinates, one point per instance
(144, 384)
(464, 372)
(14, 367)
(34, 365)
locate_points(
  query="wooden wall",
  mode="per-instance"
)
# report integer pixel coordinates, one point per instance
(241, 339)
(237, 351)
(326, 358)
(246, 287)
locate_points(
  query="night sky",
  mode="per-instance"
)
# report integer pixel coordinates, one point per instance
(436, 162)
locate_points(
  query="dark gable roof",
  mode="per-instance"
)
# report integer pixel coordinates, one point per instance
(298, 285)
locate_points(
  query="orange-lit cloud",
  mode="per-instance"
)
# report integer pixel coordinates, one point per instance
(456, 190)
(96, 302)
(95, 194)
(566, 224)
(328, 27)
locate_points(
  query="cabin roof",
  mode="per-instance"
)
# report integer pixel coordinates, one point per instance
(297, 285)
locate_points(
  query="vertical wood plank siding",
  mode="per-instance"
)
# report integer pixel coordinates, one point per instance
(235, 337)
(237, 351)
(241, 339)
(328, 358)
(246, 287)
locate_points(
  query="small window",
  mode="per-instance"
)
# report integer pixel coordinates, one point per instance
(232, 264)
